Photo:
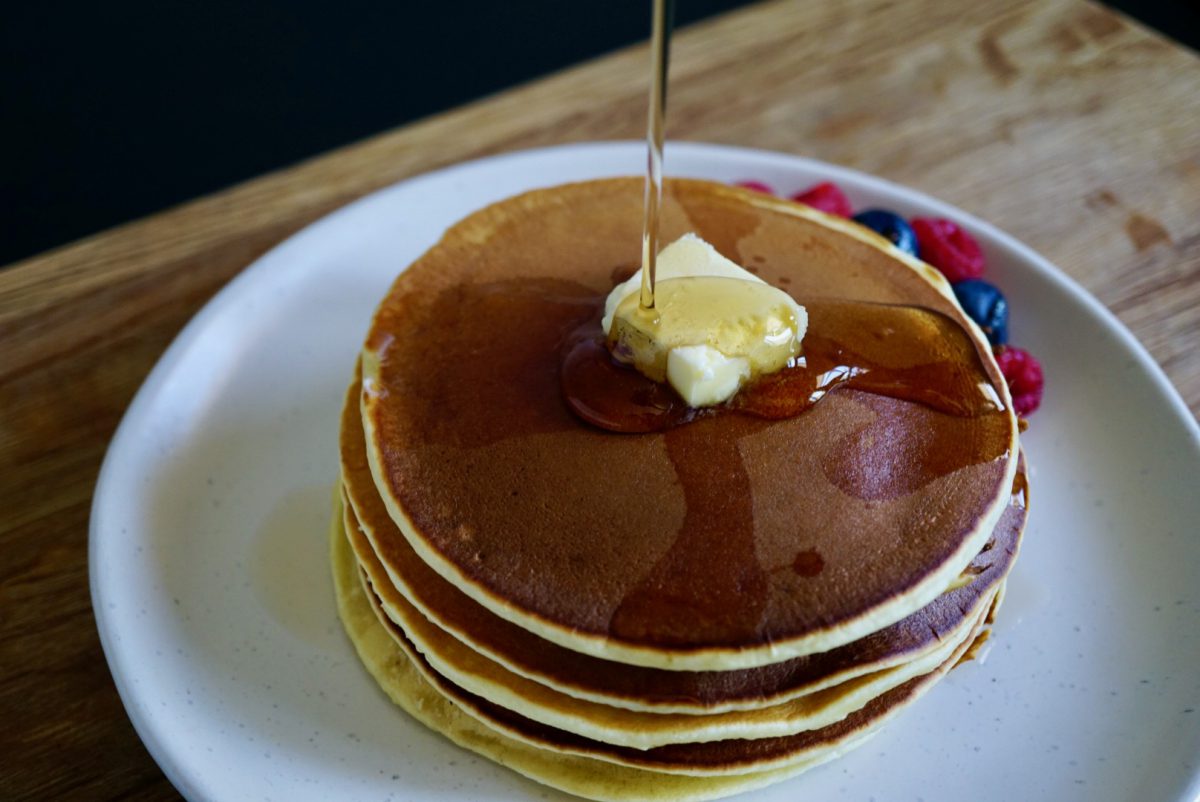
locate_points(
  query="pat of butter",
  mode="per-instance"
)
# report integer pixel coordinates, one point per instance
(704, 376)
(714, 326)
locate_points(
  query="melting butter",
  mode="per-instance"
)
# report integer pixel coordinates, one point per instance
(714, 325)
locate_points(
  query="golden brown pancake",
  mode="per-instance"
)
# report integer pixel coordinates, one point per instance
(583, 776)
(686, 550)
(639, 688)
(486, 678)
(709, 760)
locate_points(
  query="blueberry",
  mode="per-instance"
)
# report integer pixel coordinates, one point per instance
(890, 225)
(984, 304)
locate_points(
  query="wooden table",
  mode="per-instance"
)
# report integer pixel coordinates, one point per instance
(1065, 124)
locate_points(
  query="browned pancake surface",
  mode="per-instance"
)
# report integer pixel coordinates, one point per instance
(706, 535)
(541, 659)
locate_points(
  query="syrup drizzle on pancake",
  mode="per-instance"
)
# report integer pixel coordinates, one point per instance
(902, 352)
(808, 562)
(718, 524)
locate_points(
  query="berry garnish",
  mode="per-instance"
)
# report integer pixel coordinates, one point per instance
(947, 247)
(757, 186)
(1023, 373)
(827, 197)
(891, 226)
(986, 305)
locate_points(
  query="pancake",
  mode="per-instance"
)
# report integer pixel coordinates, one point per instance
(632, 687)
(481, 677)
(586, 777)
(709, 761)
(679, 550)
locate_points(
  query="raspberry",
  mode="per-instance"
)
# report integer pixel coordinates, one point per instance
(1023, 373)
(757, 186)
(947, 247)
(827, 197)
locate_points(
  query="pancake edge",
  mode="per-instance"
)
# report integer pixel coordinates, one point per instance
(802, 758)
(862, 690)
(398, 679)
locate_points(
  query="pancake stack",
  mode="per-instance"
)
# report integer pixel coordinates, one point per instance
(676, 615)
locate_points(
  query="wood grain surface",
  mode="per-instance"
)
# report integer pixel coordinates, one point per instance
(1066, 125)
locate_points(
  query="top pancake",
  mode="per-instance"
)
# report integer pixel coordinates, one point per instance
(726, 543)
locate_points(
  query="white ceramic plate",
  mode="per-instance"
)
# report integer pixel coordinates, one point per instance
(215, 605)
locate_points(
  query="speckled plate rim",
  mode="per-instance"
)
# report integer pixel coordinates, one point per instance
(542, 167)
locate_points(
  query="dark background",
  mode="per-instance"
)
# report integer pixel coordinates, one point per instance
(110, 111)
